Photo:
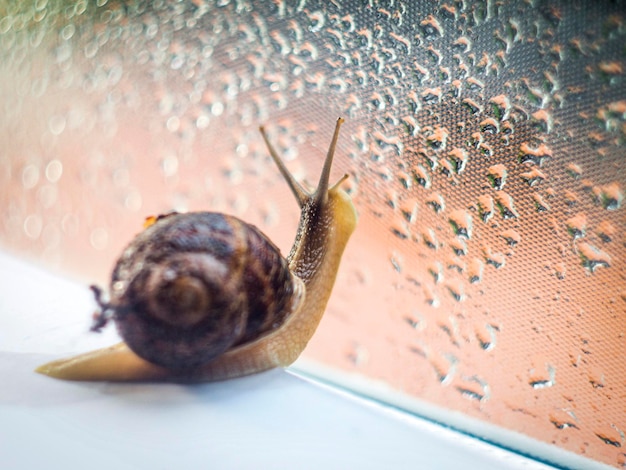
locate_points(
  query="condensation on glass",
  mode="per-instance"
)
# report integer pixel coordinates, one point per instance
(485, 144)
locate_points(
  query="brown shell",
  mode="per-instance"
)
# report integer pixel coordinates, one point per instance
(192, 286)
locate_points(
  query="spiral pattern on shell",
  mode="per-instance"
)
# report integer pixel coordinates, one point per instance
(192, 286)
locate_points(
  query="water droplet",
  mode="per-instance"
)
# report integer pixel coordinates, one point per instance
(473, 106)
(436, 271)
(505, 204)
(501, 107)
(611, 435)
(486, 336)
(474, 388)
(485, 65)
(436, 202)
(391, 199)
(596, 377)
(611, 68)
(461, 223)
(612, 116)
(455, 288)
(431, 27)
(533, 176)
(444, 74)
(507, 129)
(563, 419)
(542, 375)
(489, 126)
(68, 31)
(90, 49)
(54, 170)
(458, 246)
(475, 85)
(404, 179)
(401, 231)
(456, 88)
(389, 142)
(358, 355)
(411, 126)
(56, 124)
(377, 102)
(172, 124)
(570, 198)
(402, 43)
(485, 207)
(422, 75)
(462, 44)
(430, 298)
(536, 96)
(606, 231)
(458, 157)
(133, 201)
(434, 55)
(610, 196)
(485, 149)
(430, 239)
(217, 108)
(413, 102)
(540, 204)
(99, 238)
(543, 120)
(444, 365)
(317, 20)
(511, 236)
(574, 170)
(475, 270)
(169, 165)
(432, 95)
(577, 226)
(592, 257)
(30, 176)
(33, 224)
(422, 177)
(497, 260)
(455, 263)
(408, 209)
(446, 168)
(559, 271)
(497, 176)
(534, 155)
(396, 261)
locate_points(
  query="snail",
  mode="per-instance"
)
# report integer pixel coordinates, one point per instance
(204, 296)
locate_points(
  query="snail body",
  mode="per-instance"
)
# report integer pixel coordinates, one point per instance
(205, 296)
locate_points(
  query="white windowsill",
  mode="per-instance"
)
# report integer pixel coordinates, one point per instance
(273, 420)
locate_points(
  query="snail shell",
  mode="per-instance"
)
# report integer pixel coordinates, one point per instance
(205, 296)
(192, 286)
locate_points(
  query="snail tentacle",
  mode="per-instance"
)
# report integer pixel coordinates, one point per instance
(296, 188)
(321, 193)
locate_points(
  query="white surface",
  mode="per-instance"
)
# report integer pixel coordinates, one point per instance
(273, 420)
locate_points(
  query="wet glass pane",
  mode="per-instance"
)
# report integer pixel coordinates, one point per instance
(485, 144)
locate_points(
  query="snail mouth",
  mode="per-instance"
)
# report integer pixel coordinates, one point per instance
(183, 302)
